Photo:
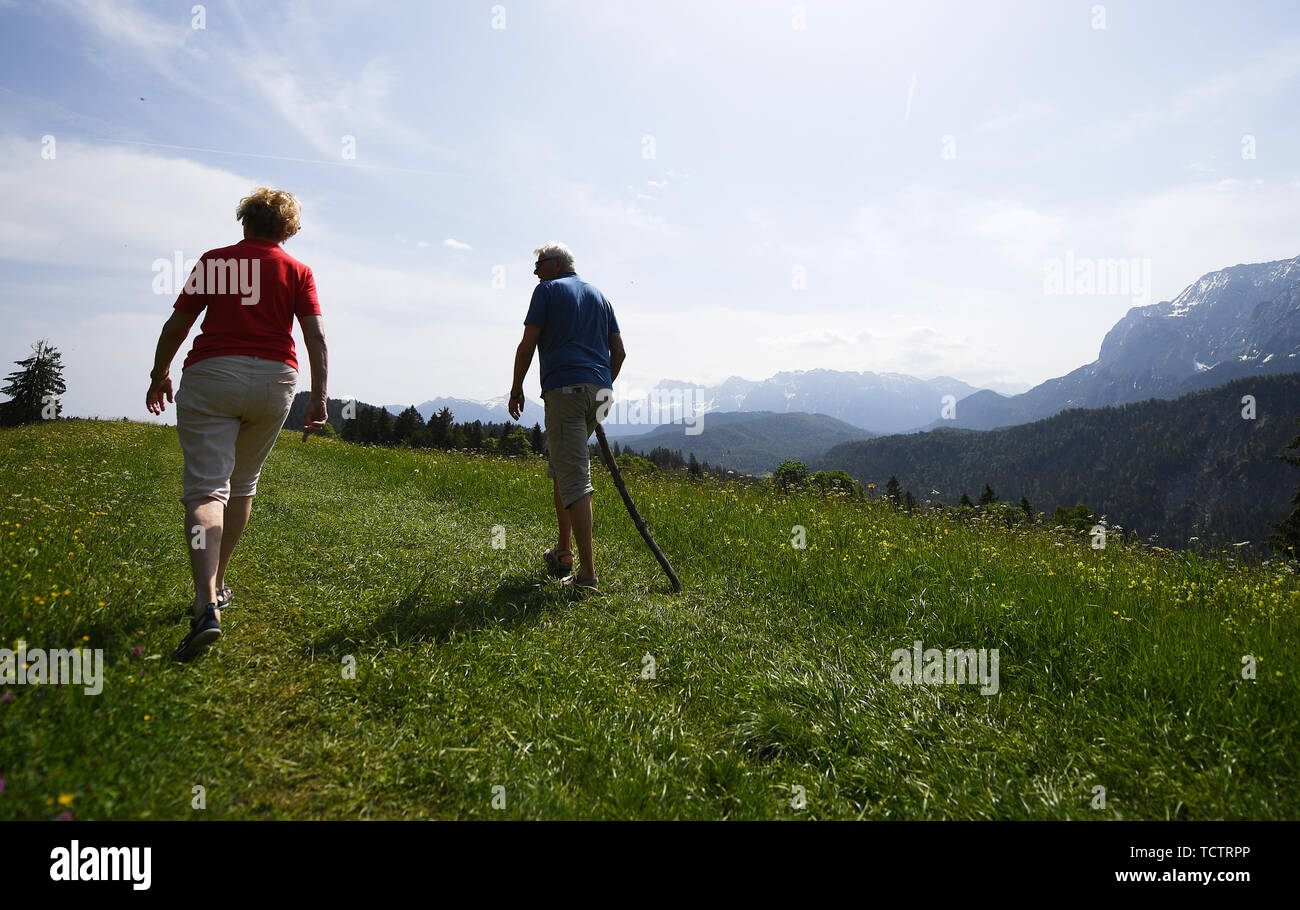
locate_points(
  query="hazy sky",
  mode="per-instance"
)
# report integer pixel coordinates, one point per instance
(756, 186)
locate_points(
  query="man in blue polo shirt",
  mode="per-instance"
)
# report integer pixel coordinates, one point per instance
(573, 328)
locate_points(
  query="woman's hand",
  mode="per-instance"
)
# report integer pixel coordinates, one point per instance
(157, 390)
(315, 418)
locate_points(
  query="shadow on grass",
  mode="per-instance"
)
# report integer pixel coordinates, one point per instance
(424, 615)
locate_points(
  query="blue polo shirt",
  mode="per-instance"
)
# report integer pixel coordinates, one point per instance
(576, 321)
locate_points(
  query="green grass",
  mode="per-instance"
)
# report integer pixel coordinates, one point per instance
(1119, 667)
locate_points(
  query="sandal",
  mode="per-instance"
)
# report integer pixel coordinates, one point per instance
(224, 596)
(558, 568)
(575, 585)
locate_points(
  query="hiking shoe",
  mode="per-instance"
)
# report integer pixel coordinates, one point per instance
(579, 586)
(203, 632)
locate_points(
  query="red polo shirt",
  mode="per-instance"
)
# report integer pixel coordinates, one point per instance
(252, 291)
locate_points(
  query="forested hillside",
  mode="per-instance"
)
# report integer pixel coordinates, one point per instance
(1191, 467)
(750, 443)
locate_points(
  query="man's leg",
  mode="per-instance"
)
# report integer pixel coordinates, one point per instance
(203, 523)
(565, 539)
(566, 436)
(235, 520)
(580, 515)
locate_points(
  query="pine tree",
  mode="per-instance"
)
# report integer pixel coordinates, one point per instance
(383, 427)
(537, 441)
(350, 428)
(1286, 540)
(367, 425)
(474, 435)
(1026, 508)
(894, 490)
(693, 467)
(407, 425)
(34, 390)
(440, 428)
(988, 497)
(909, 501)
(965, 501)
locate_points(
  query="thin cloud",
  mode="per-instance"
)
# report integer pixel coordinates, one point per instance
(1004, 121)
(1265, 73)
(580, 199)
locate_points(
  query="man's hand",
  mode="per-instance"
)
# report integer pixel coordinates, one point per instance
(316, 418)
(158, 390)
(523, 359)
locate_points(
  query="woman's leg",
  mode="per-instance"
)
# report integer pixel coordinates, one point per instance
(234, 521)
(207, 423)
(269, 402)
(203, 521)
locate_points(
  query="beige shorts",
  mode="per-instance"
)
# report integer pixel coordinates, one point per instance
(229, 411)
(571, 418)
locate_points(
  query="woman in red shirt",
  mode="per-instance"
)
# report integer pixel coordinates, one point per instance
(236, 388)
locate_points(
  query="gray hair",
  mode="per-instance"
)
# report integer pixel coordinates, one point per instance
(557, 250)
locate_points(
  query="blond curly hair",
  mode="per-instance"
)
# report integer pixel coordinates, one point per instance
(270, 213)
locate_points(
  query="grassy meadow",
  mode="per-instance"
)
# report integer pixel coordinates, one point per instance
(762, 691)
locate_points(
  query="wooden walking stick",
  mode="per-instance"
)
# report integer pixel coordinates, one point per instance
(631, 509)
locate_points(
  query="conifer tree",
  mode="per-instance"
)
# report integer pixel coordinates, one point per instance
(440, 425)
(383, 427)
(407, 425)
(33, 391)
(1286, 539)
(894, 490)
(474, 435)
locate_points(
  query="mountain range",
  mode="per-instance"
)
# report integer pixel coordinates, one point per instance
(467, 410)
(876, 402)
(1232, 323)
(1236, 322)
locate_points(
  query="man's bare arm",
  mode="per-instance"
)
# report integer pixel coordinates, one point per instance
(616, 355)
(523, 360)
